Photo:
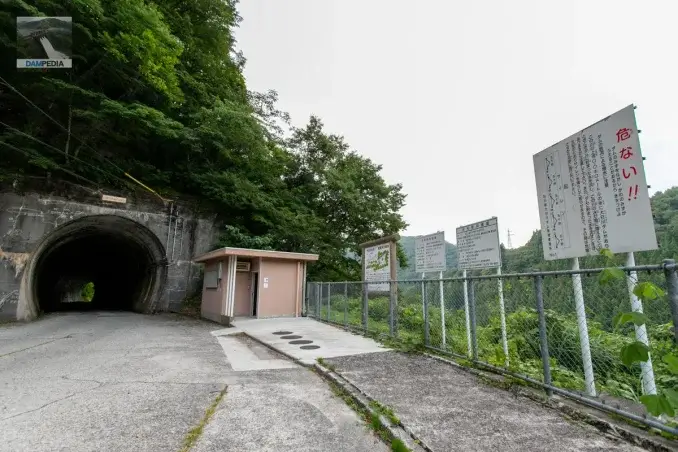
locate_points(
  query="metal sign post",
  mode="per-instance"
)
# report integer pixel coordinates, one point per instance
(593, 195)
(478, 248)
(582, 325)
(468, 316)
(502, 314)
(431, 256)
(646, 369)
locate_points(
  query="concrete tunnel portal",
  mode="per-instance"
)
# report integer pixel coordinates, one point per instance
(123, 260)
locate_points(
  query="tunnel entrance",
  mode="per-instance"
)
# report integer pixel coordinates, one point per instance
(100, 262)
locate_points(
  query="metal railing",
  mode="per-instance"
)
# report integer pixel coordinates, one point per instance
(550, 328)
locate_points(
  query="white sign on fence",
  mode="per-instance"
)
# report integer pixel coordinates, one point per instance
(593, 193)
(377, 267)
(430, 253)
(478, 245)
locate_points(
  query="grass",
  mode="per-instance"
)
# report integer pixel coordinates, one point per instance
(190, 307)
(385, 411)
(399, 446)
(326, 365)
(371, 418)
(194, 434)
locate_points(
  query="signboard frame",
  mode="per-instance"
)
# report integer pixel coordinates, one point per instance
(430, 253)
(377, 267)
(593, 192)
(473, 232)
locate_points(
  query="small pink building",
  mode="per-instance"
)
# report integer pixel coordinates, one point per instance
(241, 282)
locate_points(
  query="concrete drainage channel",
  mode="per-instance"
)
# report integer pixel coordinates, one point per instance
(296, 340)
(361, 402)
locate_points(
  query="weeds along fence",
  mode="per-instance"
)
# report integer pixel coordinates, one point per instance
(554, 328)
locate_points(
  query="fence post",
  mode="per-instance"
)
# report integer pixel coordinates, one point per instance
(391, 309)
(646, 370)
(423, 278)
(304, 300)
(582, 324)
(329, 301)
(318, 299)
(427, 327)
(365, 300)
(346, 303)
(468, 318)
(672, 293)
(502, 317)
(543, 341)
(472, 309)
(442, 308)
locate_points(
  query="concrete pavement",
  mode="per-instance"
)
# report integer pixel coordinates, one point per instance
(449, 409)
(327, 341)
(123, 382)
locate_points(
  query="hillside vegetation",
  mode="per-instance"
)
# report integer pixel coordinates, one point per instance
(531, 256)
(157, 92)
(603, 302)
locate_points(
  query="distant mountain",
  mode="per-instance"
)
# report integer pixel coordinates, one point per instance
(408, 245)
(45, 24)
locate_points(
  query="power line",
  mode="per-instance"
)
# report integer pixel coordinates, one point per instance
(37, 140)
(61, 126)
(34, 155)
(6, 83)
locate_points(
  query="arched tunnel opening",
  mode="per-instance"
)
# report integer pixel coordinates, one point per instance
(100, 262)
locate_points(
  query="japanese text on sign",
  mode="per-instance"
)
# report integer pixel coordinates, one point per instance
(592, 191)
(478, 245)
(430, 253)
(377, 267)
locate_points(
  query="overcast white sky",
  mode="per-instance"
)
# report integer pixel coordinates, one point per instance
(454, 98)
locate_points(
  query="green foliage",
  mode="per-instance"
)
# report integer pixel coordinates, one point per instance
(607, 253)
(157, 91)
(610, 275)
(87, 292)
(637, 318)
(672, 363)
(657, 404)
(397, 445)
(634, 352)
(647, 291)
(666, 400)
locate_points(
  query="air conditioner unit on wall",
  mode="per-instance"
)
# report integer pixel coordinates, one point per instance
(242, 266)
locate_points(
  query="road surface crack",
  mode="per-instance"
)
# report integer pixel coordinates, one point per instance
(36, 345)
(49, 403)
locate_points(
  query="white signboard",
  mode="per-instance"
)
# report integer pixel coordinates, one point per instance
(478, 245)
(430, 255)
(593, 192)
(116, 199)
(378, 267)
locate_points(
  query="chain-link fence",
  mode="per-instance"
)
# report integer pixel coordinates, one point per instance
(555, 328)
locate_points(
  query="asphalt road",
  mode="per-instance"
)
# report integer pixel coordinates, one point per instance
(129, 382)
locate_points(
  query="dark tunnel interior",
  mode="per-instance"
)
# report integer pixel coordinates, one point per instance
(120, 268)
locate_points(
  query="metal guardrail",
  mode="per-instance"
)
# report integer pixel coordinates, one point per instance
(551, 328)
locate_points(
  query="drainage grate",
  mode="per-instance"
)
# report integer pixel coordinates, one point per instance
(281, 333)
(291, 337)
(301, 341)
(309, 347)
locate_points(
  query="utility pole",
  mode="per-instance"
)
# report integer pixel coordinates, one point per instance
(509, 244)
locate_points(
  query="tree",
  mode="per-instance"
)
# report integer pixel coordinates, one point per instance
(157, 92)
(346, 192)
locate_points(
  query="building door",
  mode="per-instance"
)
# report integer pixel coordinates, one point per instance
(255, 293)
(243, 280)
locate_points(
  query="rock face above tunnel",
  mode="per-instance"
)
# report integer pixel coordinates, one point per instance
(28, 219)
